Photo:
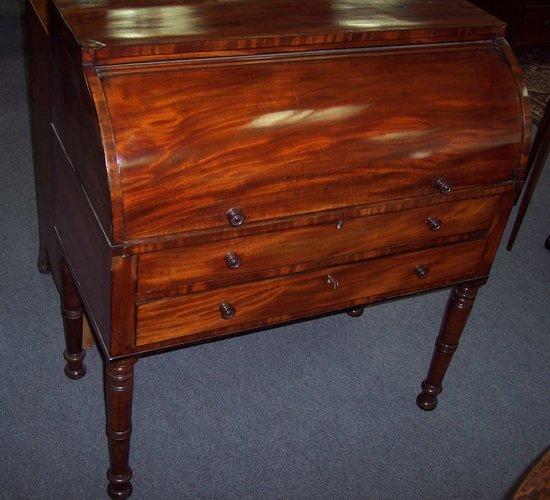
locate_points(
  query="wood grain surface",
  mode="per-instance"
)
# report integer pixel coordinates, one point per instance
(118, 30)
(280, 299)
(366, 149)
(39, 97)
(284, 137)
(335, 242)
(82, 243)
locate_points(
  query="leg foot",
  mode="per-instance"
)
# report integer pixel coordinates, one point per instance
(458, 309)
(43, 261)
(427, 399)
(75, 367)
(71, 310)
(119, 388)
(355, 313)
(119, 486)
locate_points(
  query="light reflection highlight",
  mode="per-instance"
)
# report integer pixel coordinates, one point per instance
(402, 135)
(145, 22)
(294, 116)
(349, 14)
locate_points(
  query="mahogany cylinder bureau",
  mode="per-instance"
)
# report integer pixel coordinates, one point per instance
(210, 168)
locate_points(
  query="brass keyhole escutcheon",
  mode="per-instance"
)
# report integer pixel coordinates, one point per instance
(332, 281)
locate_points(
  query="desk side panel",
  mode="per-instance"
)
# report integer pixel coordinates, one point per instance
(76, 121)
(82, 243)
(37, 52)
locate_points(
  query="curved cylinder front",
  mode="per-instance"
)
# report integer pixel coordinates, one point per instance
(285, 135)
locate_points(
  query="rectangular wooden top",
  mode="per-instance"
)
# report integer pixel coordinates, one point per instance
(118, 30)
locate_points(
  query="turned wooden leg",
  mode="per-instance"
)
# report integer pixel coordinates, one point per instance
(43, 263)
(355, 313)
(71, 311)
(119, 388)
(458, 309)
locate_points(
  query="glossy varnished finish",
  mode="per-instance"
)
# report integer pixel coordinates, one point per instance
(81, 237)
(119, 393)
(296, 137)
(261, 162)
(114, 30)
(173, 241)
(299, 249)
(281, 299)
(356, 312)
(76, 122)
(72, 311)
(458, 309)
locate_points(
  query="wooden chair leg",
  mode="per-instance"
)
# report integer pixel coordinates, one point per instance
(119, 389)
(458, 309)
(71, 311)
(537, 159)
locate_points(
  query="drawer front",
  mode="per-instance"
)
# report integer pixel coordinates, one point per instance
(332, 243)
(275, 300)
(286, 136)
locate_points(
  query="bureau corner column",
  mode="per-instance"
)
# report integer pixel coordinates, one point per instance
(458, 309)
(119, 389)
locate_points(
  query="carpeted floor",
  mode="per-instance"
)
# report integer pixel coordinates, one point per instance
(324, 409)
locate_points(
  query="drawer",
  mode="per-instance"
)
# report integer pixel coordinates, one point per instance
(286, 136)
(254, 304)
(333, 243)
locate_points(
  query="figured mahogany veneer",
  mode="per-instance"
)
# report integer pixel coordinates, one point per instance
(114, 31)
(298, 249)
(212, 168)
(294, 136)
(281, 299)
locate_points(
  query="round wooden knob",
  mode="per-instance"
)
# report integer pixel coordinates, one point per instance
(232, 260)
(235, 217)
(227, 310)
(443, 185)
(421, 271)
(434, 223)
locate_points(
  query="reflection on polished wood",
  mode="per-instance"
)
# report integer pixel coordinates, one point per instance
(264, 162)
(116, 29)
(291, 163)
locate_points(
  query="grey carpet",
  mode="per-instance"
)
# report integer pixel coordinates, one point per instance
(323, 409)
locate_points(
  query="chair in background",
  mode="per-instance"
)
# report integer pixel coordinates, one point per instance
(535, 164)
